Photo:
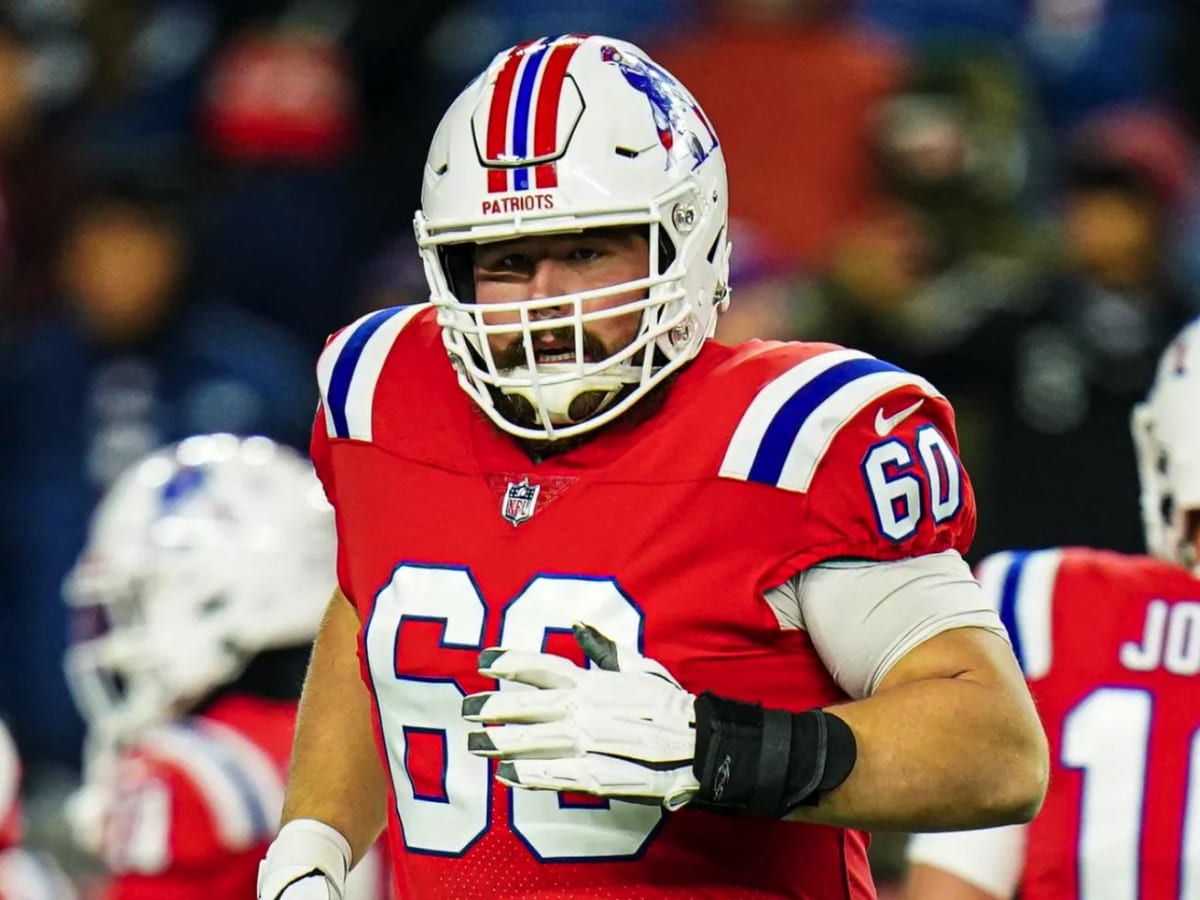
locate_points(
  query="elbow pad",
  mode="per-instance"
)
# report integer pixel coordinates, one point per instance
(308, 860)
(767, 761)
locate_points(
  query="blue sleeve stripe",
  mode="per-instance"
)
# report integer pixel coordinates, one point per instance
(1009, 592)
(781, 434)
(343, 369)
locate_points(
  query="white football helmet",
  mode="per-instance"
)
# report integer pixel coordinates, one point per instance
(559, 135)
(200, 556)
(1166, 432)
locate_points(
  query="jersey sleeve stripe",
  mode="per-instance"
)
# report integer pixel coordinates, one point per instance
(243, 811)
(1026, 605)
(350, 366)
(254, 769)
(820, 427)
(748, 436)
(789, 426)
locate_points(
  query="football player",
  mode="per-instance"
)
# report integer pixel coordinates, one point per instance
(1111, 647)
(608, 579)
(196, 599)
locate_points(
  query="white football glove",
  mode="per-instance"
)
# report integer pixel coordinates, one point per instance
(308, 860)
(623, 728)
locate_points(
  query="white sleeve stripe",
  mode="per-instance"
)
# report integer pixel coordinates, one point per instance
(240, 815)
(990, 574)
(743, 447)
(349, 369)
(788, 427)
(1026, 608)
(262, 776)
(823, 424)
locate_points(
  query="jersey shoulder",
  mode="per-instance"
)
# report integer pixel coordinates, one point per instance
(354, 366)
(1032, 589)
(796, 403)
(190, 791)
(859, 457)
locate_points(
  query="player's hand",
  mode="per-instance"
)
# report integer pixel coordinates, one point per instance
(308, 860)
(623, 728)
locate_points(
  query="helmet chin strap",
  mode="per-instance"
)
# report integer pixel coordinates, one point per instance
(564, 403)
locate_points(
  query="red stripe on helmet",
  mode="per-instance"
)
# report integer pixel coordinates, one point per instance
(497, 127)
(545, 122)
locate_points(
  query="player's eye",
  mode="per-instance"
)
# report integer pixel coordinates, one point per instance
(585, 254)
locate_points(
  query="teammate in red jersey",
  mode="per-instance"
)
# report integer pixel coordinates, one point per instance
(24, 875)
(1111, 647)
(777, 524)
(197, 596)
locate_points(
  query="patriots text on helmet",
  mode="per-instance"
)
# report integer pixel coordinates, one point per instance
(518, 203)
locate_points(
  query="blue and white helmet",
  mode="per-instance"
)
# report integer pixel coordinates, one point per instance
(559, 135)
(1166, 432)
(200, 556)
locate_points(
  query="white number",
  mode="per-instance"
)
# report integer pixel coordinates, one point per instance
(1107, 735)
(896, 491)
(551, 829)
(449, 596)
(941, 465)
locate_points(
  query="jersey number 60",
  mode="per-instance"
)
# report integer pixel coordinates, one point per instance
(452, 816)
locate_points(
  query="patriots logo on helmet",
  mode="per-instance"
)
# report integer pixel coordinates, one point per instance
(669, 104)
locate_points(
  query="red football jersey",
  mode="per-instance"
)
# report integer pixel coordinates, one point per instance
(664, 531)
(189, 810)
(1111, 647)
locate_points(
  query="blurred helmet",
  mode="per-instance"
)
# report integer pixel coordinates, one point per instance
(200, 556)
(559, 135)
(1166, 431)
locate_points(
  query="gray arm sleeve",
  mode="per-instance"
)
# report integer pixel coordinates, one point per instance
(863, 616)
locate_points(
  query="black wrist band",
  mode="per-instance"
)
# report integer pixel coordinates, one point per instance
(766, 761)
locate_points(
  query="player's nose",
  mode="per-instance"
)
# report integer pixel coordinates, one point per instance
(549, 280)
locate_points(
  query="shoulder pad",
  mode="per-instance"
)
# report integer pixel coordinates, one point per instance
(792, 420)
(1020, 585)
(349, 366)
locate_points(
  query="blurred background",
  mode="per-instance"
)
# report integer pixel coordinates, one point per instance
(997, 194)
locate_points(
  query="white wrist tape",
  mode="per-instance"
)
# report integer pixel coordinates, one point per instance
(304, 850)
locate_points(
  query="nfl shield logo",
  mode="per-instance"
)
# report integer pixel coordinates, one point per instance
(520, 499)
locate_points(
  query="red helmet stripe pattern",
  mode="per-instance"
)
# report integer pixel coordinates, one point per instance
(545, 124)
(553, 57)
(497, 129)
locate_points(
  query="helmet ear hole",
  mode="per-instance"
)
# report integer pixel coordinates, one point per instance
(666, 251)
(458, 262)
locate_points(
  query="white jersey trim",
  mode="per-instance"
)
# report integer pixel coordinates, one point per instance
(1020, 586)
(349, 368)
(791, 423)
(243, 804)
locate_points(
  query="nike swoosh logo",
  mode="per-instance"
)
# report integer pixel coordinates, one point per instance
(885, 424)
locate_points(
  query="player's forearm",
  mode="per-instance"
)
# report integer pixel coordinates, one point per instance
(952, 751)
(336, 776)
